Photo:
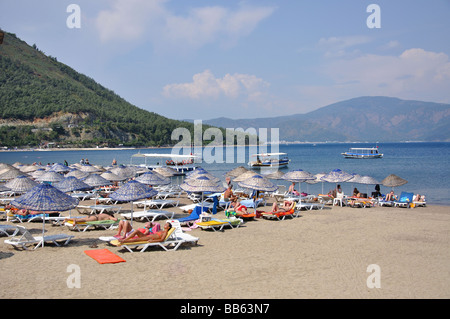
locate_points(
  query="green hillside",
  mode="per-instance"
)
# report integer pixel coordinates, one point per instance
(43, 100)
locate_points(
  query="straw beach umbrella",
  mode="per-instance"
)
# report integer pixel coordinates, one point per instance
(110, 176)
(235, 172)
(77, 174)
(45, 197)
(123, 171)
(70, 184)
(298, 176)
(89, 168)
(153, 178)
(259, 183)
(393, 180)
(203, 173)
(59, 168)
(336, 176)
(133, 190)
(50, 177)
(318, 177)
(21, 184)
(244, 176)
(165, 171)
(367, 180)
(10, 173)
(96, 180)
(201, 185)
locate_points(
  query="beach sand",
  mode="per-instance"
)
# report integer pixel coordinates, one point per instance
(321, 254)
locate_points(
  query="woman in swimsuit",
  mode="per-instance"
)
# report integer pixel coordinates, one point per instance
(125, 227)
(137, 236)
(287, 206)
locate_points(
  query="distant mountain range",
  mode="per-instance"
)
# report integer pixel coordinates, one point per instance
(362, 119)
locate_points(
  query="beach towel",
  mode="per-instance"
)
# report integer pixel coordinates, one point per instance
(104, 256)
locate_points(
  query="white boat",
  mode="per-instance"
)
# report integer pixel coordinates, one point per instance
(269, 160)
(362, 152)
(181, 163)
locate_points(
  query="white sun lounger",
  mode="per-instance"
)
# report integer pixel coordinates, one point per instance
(24, 238)
(156, 203)
(150, 215)
(5, 228)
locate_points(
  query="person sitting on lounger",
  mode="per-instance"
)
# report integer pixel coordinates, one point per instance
(390, 196)
(125, 229)
(92, 218)
(287, 206)
(356, 193)
(419, 198)
(137, 236)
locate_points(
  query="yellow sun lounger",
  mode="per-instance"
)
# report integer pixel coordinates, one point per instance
(212, 224)
(170, 241)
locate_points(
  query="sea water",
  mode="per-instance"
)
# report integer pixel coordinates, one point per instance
(424, 165)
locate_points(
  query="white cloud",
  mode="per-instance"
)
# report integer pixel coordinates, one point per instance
(131, 20)
(414, 74)
(128, 20)
(206, 86)
(340, 46)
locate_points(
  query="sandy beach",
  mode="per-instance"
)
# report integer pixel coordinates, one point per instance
(321, 254)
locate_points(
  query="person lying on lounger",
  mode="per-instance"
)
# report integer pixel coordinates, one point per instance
(287, 206)
(91, 218)
(240, 209)
(125, 229)
(137, 236)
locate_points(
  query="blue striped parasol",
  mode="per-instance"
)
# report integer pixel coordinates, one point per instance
(45, 197)
(70, 184)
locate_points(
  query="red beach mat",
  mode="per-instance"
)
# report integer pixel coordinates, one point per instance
(104, 256)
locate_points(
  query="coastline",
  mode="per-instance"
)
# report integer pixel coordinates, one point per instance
(321, 254)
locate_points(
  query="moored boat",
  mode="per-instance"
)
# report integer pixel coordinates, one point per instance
(269, 160)
(362, 152)
(181, 163)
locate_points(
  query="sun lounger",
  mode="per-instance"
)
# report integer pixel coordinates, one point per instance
(325, 199)
(83, 226)
(195, 215)
(83, 196)
(180, 234)
(149, 215)
(24, 238)
(5, 228)
(171, 242)
(206, 206)
(166, 194)
(405, 200)
(279, 215)
(307, 206)
(213, 224)
(156, 203)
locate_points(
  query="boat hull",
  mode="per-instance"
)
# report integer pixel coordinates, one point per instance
(363, 156)
(269, 164)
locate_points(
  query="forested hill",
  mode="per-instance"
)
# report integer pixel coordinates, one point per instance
(43, 100)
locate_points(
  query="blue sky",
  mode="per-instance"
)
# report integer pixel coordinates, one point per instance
(204, 59)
